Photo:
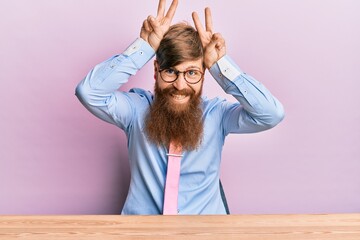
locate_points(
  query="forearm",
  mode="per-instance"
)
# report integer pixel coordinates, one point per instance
(98, 90)
(106, 77)
(256, 100)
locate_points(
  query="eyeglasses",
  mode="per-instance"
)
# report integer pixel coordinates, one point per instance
(191, 76)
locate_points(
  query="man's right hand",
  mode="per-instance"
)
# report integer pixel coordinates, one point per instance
(153, 29)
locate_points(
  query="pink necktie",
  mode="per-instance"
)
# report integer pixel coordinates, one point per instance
(172, 180)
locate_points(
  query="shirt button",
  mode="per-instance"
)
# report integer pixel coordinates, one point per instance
(141, 52)
(220, 75)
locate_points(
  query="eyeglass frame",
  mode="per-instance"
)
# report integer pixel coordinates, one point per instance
(177, 72)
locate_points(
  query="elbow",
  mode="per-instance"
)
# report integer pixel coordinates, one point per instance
(81, 93)
(271, 117)
(78, 90)
(275, 117)
(278, 116)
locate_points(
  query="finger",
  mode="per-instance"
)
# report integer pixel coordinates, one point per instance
(211, 45)
(219, 42)
(220, 45)
(171, 12)
(208, 20)
(217, 37)
(153, 23)
(146, 26)
(197, 23)
(161, 9)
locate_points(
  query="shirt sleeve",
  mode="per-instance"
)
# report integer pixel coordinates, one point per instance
(256, 110)
(98, 90)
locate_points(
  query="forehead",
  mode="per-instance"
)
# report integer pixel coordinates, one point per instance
(197, 64)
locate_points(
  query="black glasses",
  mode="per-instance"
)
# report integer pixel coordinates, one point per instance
(191, 76)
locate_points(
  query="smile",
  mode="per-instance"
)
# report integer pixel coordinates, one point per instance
(180, 98)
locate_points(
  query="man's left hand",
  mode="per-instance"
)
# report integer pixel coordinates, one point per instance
(213, 43)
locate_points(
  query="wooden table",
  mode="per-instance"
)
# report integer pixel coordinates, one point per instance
(249, 227)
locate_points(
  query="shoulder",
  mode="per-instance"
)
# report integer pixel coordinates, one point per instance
(213, 103)
(140, 95)
(217, 105)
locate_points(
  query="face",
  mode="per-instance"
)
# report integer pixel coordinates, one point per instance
(180, 92)
(176, 112)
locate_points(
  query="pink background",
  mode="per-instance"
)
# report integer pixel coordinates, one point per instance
(56, 158)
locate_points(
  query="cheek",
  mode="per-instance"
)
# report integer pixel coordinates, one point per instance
(198, 88)
(161, 84)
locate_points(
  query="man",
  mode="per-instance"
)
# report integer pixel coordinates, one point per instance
(177, 122)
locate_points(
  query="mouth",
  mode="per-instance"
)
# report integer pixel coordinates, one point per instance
(179, 98)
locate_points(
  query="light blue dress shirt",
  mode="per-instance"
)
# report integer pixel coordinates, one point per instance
(255, 110)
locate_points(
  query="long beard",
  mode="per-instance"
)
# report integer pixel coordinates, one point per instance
(180, 123)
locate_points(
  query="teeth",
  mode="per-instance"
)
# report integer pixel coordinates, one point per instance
(179, 97)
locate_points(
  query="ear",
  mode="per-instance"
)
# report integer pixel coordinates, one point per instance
(156, 68)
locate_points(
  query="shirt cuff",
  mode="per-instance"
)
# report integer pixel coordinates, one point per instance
(228, 68)
(225, 71)
(140, 52)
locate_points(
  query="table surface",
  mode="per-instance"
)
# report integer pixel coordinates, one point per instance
(249, 227)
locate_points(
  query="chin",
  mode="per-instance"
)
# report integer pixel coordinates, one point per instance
(177, 107)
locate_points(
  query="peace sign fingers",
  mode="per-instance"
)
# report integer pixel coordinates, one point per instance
(197, 23)
(153, 28)
(171, 12)
(213, 43)
(161, 9)
(205, 34)
(208, 20)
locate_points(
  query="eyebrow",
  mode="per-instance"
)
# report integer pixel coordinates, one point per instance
(189, 67)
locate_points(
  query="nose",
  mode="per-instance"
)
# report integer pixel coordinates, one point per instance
(180, 82)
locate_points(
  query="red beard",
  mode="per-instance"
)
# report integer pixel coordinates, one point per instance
(180, 123)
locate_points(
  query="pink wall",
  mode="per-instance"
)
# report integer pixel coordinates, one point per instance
(55, 158)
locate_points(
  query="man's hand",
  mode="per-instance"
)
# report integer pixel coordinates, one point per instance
(213, 43)
(153, 29)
